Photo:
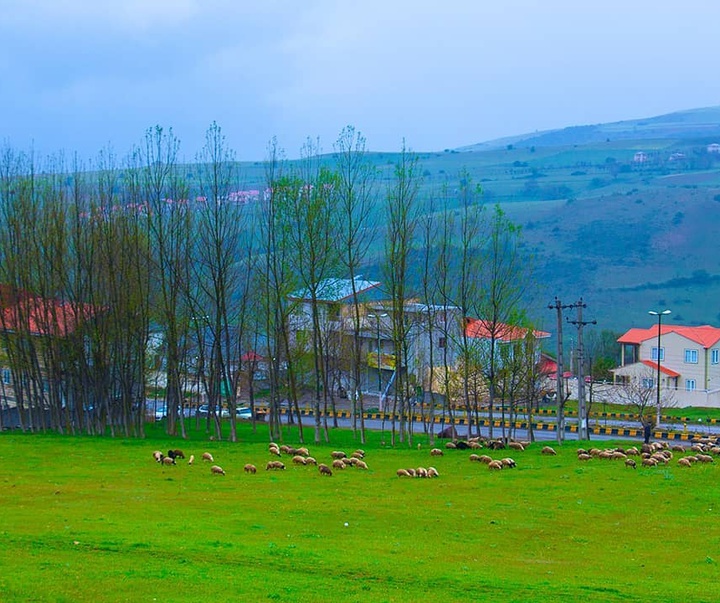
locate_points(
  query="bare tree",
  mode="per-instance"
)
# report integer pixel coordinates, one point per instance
(355, 197)
(503, 277)
(402, 216)
(640, 393)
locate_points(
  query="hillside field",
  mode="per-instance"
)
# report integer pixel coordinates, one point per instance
(96, 519)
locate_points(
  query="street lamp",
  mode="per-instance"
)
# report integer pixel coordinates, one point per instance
(377, 317)
(659, 317)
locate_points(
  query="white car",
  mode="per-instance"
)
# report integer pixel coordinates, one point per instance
(243, 412)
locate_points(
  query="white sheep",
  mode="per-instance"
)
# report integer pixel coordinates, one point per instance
(548, 450)
(191, 460)
(432, 472)
(208, 457)
(216, 470)
(250, 468)
(436, 452)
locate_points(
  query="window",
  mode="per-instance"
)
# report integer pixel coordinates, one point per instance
(655, 354)
(715, 356)
(441, 342)
(648, 383)
(6, 376)
(689, 385)
(691, 356)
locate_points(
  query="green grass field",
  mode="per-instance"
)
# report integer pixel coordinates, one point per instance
(90, 519)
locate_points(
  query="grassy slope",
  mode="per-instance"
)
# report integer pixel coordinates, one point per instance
(619, 241)
(94, 519)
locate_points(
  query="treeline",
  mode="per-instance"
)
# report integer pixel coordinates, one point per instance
(168, 270)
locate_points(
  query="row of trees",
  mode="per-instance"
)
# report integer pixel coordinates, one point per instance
(149, 245)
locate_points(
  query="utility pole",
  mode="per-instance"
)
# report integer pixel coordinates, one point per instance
(583, 431)
(560, 390)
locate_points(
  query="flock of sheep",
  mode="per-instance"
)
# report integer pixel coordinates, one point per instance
(649, 455)
(656, 453)
(299, 456)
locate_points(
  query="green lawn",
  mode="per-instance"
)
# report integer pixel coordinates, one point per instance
(90, 519)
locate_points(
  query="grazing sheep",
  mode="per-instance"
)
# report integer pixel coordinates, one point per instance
(649, 462)
(677, 448)
(582, 451)
(630, 463)
(361, 452)
(421, 472)
(310, 461)
(191, 460)
(432, 472)
(299, 460)
(484, 458)
(324, 469)
(361, 465)
(436, 452)
(274, 465)
(274, 450)
(450, 445)
(684, 462)
(508, 462)
(462, 445)
(474, 458)
(495, 465)
(338, 454)
(216, 470)
(584, 457)
(496, 445)
(158, 456)
(176, 454)
(207, 457)
(705, 458)
(402, 473)
(168, 460)
(618, 455)
(516, 446)
(357, 455)
(250, 468)
(350, 461)
(285, 449)
(548, 450)
(411, 472)
(338, 464)
(303, 451)
(632, 451)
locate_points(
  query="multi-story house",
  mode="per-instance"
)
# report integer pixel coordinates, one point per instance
(429, 332)
(688, 357)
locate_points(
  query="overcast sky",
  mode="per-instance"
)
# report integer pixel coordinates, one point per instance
(82, 75)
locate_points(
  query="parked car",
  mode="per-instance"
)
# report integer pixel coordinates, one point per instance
(204, 410)
(243, 412)
(160, 413)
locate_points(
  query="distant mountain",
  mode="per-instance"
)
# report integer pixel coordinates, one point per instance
(694, 123)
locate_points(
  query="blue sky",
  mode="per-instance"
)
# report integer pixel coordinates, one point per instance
(84, 75)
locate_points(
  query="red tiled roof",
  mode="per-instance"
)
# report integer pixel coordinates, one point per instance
(705, 335)
(663, 369)
(22, 311)
(251, 356)
(481, 329)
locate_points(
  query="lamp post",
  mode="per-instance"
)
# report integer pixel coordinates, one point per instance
(657, 402)
(377, 317)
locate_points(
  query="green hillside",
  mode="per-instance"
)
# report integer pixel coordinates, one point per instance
(626, 235)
